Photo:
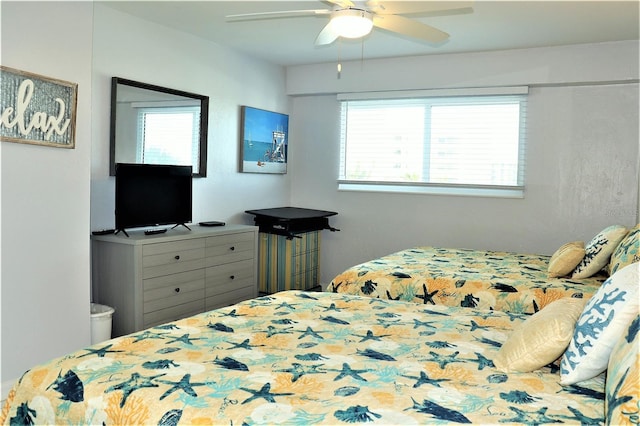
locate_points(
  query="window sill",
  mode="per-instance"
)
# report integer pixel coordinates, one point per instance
(465, 191)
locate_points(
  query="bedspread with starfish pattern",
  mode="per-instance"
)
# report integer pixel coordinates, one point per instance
(304, 358)
(510, 282)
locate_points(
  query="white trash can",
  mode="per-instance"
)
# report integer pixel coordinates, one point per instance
(100, 322)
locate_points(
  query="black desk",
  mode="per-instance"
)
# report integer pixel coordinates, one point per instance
(289, 221)
(289, 247)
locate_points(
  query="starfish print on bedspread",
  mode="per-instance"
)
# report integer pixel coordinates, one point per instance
(424, 379)
(101, 352)
(348, 371)
(386, 323)
(264, 392)
(298, 370)
(443, 360)
(272, 331)
(285, 305)
(184, 339)
(242, 345)
(135, 382)
(371, 336)
(427, 297)
(418, 323)
(310, 332)
(148, 334)
(183, 384)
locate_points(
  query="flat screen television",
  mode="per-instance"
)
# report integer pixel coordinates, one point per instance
(152, 195)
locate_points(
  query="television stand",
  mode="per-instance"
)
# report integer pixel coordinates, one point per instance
(181, 224)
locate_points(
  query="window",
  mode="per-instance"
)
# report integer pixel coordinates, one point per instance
(471, 145)
(158, 130)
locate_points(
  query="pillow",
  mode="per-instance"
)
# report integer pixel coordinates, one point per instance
(565, 259)
(598, 251)
(600, 325)
(627, 252)
(541, 338)
(622, 388)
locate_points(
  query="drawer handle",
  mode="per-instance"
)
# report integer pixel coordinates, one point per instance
(233, 277)
(232, 248)
(177, 257)
(177, 290)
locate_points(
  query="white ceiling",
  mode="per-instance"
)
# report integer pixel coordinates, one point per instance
(490, 25)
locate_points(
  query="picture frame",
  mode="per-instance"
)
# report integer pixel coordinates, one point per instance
(37, 110)
(264, 141)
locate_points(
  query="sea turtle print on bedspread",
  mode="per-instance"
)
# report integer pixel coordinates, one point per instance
(304, 358)
(506, 281)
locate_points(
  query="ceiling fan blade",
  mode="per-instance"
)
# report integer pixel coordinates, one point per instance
(274, 15)
(410, 28)
(327, 35)
(391, 7)
(342, 3)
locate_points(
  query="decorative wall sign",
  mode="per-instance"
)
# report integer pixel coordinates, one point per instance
(264, 141)
(36, 109)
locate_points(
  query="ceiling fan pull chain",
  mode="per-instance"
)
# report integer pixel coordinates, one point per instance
(339, 64)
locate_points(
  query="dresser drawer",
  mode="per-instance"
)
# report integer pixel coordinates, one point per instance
(170, 285)
(229, 248)
(230, 297)
(173, 313)
(223, 278)
(170, 247)
(171, 258)
(185, 295)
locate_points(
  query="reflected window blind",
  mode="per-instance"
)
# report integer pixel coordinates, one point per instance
(159, 129)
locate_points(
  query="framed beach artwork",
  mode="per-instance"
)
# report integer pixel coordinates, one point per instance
(264, 141)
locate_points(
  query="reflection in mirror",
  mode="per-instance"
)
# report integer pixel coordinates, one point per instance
(156, 125)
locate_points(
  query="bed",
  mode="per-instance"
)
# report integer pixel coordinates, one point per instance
(506, 281)
(305, 358)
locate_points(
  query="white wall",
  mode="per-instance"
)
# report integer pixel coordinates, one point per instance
(168, 58)
(45, 196)
(582, 150)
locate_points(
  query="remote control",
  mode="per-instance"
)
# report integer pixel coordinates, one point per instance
(104, 232)
(154, 231)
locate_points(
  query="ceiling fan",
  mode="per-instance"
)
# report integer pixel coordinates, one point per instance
(356, 19)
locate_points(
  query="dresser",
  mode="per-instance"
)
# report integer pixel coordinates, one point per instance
(153, 279)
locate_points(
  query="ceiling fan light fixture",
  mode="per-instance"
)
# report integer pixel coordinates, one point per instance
(351, 23)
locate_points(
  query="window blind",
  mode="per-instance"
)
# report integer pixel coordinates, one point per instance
(472, 142)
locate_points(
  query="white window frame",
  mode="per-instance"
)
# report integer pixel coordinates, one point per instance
(439, 97)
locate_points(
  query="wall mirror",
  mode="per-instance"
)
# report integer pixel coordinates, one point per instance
(156, 125)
